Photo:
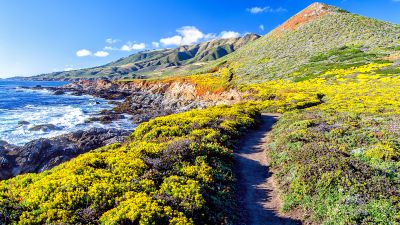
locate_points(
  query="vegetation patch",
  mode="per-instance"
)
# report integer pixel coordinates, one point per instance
(338, 160)
(174, 170)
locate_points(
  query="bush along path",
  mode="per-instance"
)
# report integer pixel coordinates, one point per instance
(259, 201)
(172, 170)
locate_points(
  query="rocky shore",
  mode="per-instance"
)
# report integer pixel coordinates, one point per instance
(143, 100)
(45, 153)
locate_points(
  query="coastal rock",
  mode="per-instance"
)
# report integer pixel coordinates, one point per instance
(59, 92)
(106, 119)
(5, 145)
(3, 161)
(23, 122)
(43, 154)
(44, 127)
(144, 100)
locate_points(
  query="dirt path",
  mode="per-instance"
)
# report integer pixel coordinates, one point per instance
(258, 197)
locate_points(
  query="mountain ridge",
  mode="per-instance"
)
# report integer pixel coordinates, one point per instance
(156, 62)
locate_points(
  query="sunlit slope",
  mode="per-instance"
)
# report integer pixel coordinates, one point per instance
(317, 29)
(160, 62)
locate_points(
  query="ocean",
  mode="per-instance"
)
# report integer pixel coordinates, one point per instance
(22, 109)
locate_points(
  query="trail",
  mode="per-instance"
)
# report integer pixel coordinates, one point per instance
(259, 201)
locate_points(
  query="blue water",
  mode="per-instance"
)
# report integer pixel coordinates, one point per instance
(38, 107)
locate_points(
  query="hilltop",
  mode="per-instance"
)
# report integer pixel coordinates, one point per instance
(158, 62)
(318, 29)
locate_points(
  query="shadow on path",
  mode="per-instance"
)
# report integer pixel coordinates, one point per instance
(259, 201)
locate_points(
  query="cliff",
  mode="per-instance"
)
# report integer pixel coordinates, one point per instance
(148, 99)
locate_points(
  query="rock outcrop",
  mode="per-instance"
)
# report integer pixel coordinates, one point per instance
(43, 154)
(148, 99)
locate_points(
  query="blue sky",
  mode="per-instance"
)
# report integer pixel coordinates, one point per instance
(53, 35)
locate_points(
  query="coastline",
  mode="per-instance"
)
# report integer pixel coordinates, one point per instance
(141, 100)
(44, 153)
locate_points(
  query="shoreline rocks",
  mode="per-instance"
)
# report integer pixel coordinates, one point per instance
(44, 127)
(45, 153)
(142, 100)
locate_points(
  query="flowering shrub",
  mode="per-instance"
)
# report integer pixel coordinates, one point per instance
(338, 160)
(173, 170)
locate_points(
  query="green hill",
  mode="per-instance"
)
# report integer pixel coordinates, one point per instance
(318, 29)
(158, 62)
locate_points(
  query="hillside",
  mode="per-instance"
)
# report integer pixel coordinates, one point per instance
(316, 30)
(334, 153)
(159, 62)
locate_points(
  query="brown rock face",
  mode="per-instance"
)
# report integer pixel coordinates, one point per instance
(171, 93)
(148, 99)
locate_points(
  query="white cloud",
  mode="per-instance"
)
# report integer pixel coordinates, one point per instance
(101, 54)
(175, 40)
(210, 36)
(83, 53)
(126, 48)
(111, 41)
(129, 46)
(155, 44)
(268, 9)
(256, 10)
(261, 27)
(229, 34)
(133, 46)
(277, 10)
(190, 35)
(187, 35)
(109, 48)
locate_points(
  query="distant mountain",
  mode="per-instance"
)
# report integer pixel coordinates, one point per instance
(318, 29)
(157, 62)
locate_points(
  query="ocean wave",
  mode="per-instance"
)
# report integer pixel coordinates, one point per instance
(40, 107)
(16, 125)
(41, 91)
